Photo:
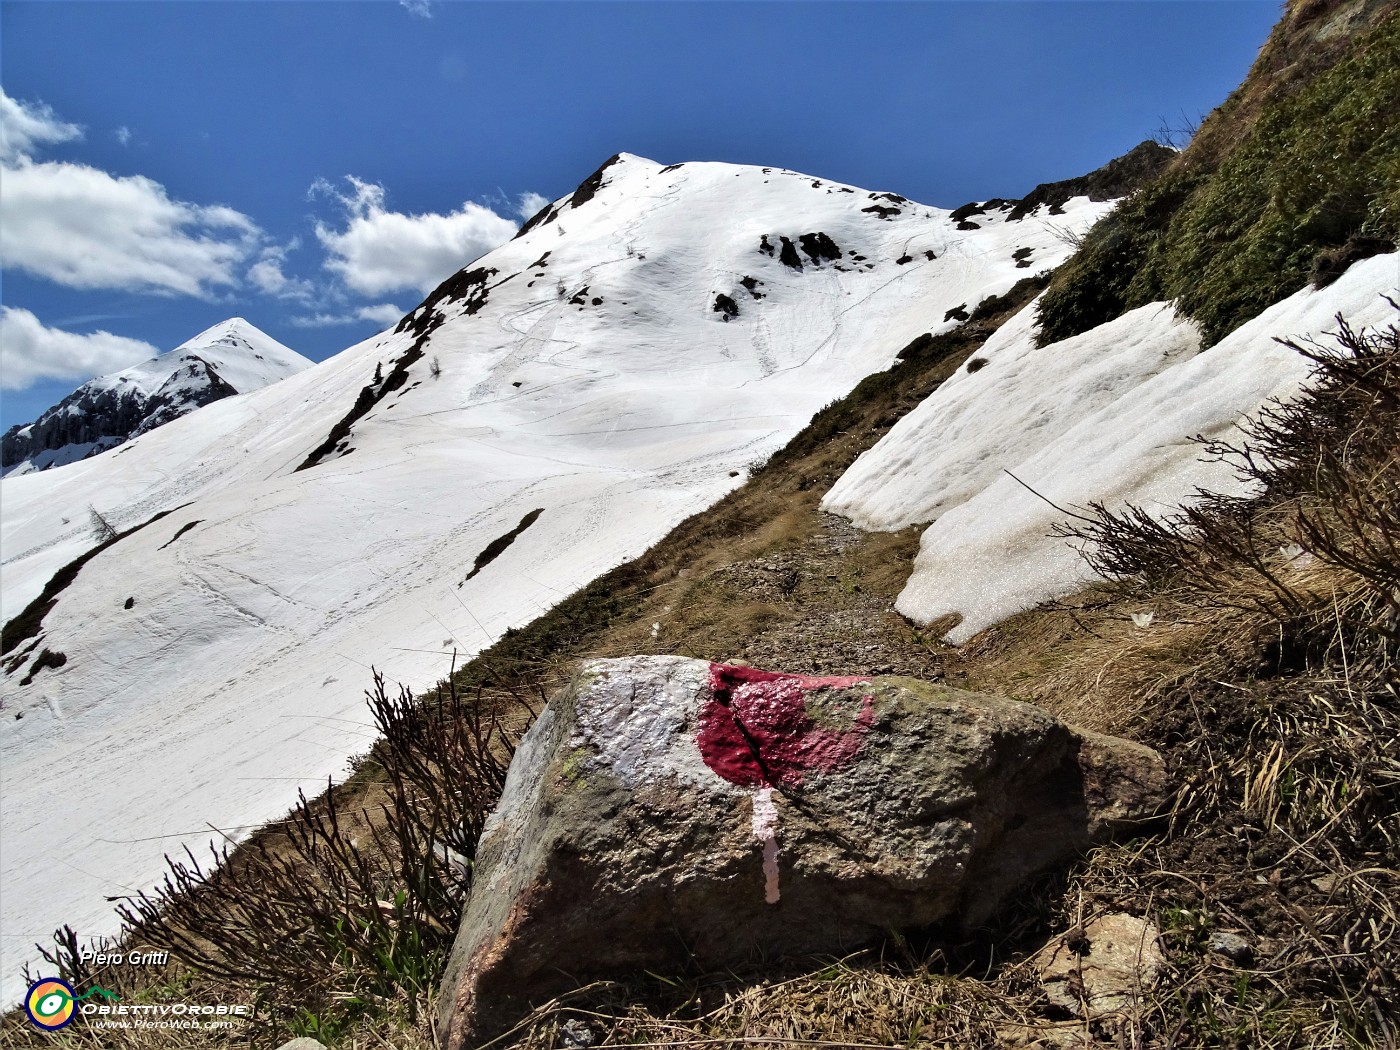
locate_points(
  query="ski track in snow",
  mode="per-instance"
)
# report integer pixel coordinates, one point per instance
(237, 677)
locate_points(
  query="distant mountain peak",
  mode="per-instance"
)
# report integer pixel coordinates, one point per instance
(231, 357)
(232, 327)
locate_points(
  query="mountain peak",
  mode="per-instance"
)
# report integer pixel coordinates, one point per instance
(617, 164)
(231, 357)
(232, 327)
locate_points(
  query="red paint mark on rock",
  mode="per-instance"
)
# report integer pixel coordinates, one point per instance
(755, 729)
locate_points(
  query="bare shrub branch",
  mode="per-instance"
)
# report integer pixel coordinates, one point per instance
(362, 905)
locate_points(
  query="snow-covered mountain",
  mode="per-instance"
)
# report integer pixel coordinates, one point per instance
(614, 368)
(233, 357)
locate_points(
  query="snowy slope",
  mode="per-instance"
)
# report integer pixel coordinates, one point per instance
(232, 357)
(586, 369)
(1104, 416)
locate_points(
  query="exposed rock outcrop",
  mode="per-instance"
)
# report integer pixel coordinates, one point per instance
(666, 812)
(1117, 178)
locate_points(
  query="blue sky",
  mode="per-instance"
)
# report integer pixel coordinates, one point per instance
(315, 166)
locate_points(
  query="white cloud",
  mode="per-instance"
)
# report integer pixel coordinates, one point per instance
(530, 204)
(380, 250)
(267, 275)
(123, 135)
(381, 314)
(23, 126)
(76, 225)
(418, 8)
(30, 352)
(82, 227)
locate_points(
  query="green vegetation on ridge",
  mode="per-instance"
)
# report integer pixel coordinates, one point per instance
(1312, 184)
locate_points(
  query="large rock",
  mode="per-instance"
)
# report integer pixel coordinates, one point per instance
(666, 812)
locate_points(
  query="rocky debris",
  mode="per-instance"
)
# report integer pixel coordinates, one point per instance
(836, 619)
(725, 306)
(303, 1043)
(1101, 967)
(1117, 178)
(576, 1033)
(819, 246)
(1231, 945)
(974, 208)
(664, 813)
(469, 287)
(1045, 1035)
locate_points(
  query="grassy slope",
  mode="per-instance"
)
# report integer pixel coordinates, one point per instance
(763, 575)
(1296, 171)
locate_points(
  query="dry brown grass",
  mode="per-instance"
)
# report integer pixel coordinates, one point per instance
(859, 1002)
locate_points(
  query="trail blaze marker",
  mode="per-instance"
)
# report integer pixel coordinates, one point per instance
(756, 731)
